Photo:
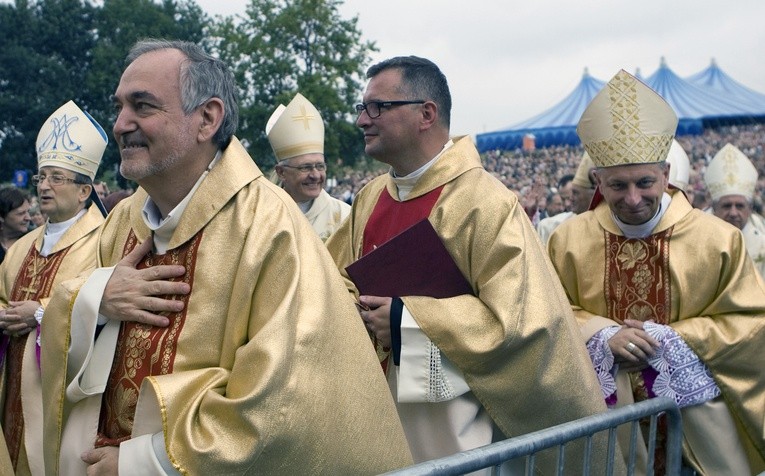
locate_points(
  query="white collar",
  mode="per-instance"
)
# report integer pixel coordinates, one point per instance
(643, 230)
(405, 184)
(163, 228)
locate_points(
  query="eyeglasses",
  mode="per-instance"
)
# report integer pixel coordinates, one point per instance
(54, 180)
(307, 168)
(374, 108)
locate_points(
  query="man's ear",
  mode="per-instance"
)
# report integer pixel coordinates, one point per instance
(429, 114)
(212, 118)
(85, 192)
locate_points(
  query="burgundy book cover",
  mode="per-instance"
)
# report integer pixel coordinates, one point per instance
(412, 263)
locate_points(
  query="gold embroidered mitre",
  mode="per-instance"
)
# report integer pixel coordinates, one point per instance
(71, 139)
(730, 172)
(582, 176)
(679, 166)
(627, 123)
(296, 129)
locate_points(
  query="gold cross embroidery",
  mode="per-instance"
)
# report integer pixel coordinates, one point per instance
(304, 117)
(33, 287)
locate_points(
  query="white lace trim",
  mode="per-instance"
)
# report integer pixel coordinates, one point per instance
(682, 375)
(603, 360)
(439, 387)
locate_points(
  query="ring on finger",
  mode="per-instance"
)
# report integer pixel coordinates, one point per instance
(631, 348)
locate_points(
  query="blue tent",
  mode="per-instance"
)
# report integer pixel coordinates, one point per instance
(715, 79)
(699, 106)
(712, 98)
(555, 126)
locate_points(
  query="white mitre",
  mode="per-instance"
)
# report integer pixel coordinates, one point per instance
(627, 123)
(71, 139)
(679, 166)
(296, 129)
(730, 172)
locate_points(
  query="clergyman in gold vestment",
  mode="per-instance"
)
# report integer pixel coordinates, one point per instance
(666, 296)
(474, 368)
(69, 148)
(229, 344)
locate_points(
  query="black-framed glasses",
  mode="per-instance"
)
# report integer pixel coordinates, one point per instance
(307, 168)
(374, 108)
(54, 180)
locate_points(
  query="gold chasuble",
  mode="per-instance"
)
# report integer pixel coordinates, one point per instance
(693, 274)
(142, 351)
(267, 369)
(515, 340)
(26, 275)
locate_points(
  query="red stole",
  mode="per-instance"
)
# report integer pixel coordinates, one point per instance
(637, 287)
(388, 219)
(143, 350)
(33, 282)
(637, 277)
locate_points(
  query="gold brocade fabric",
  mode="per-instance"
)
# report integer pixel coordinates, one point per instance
(273, 372)
(142, 350)
(637, 277)
(33, 281)
(25, 275)
(716, 299)
(515, 341)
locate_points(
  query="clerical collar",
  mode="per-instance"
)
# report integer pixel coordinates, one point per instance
(405, 184)
(54, 232)
(645, 229)
(305, 206)
(163, 228)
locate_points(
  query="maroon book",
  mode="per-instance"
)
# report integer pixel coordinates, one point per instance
(413, 263)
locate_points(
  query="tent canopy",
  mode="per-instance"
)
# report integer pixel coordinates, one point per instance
(707, 98)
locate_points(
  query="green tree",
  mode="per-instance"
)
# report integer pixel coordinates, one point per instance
(52, 51)
(280, 47)
(44, 57)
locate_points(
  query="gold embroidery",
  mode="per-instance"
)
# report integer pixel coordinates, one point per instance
(636, 277)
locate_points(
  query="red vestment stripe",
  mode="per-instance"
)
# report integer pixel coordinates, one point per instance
(143, 350)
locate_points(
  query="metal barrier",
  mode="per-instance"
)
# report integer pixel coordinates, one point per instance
(528, 445)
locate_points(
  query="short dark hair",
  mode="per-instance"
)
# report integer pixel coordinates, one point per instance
(423, 79)
(565, 180)
(202, 77)
(11, 198)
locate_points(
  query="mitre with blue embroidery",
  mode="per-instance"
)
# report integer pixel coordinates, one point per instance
(296, 129)
(71, 139)
(730, 172)
(627, 123)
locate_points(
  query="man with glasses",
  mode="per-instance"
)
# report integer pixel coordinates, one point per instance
(69, 149)
(464, 370)
(296, 134)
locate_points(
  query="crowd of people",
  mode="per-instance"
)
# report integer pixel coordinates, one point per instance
(415, 315)
(538, 171)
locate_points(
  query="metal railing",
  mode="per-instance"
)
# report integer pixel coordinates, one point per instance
(528, 445)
